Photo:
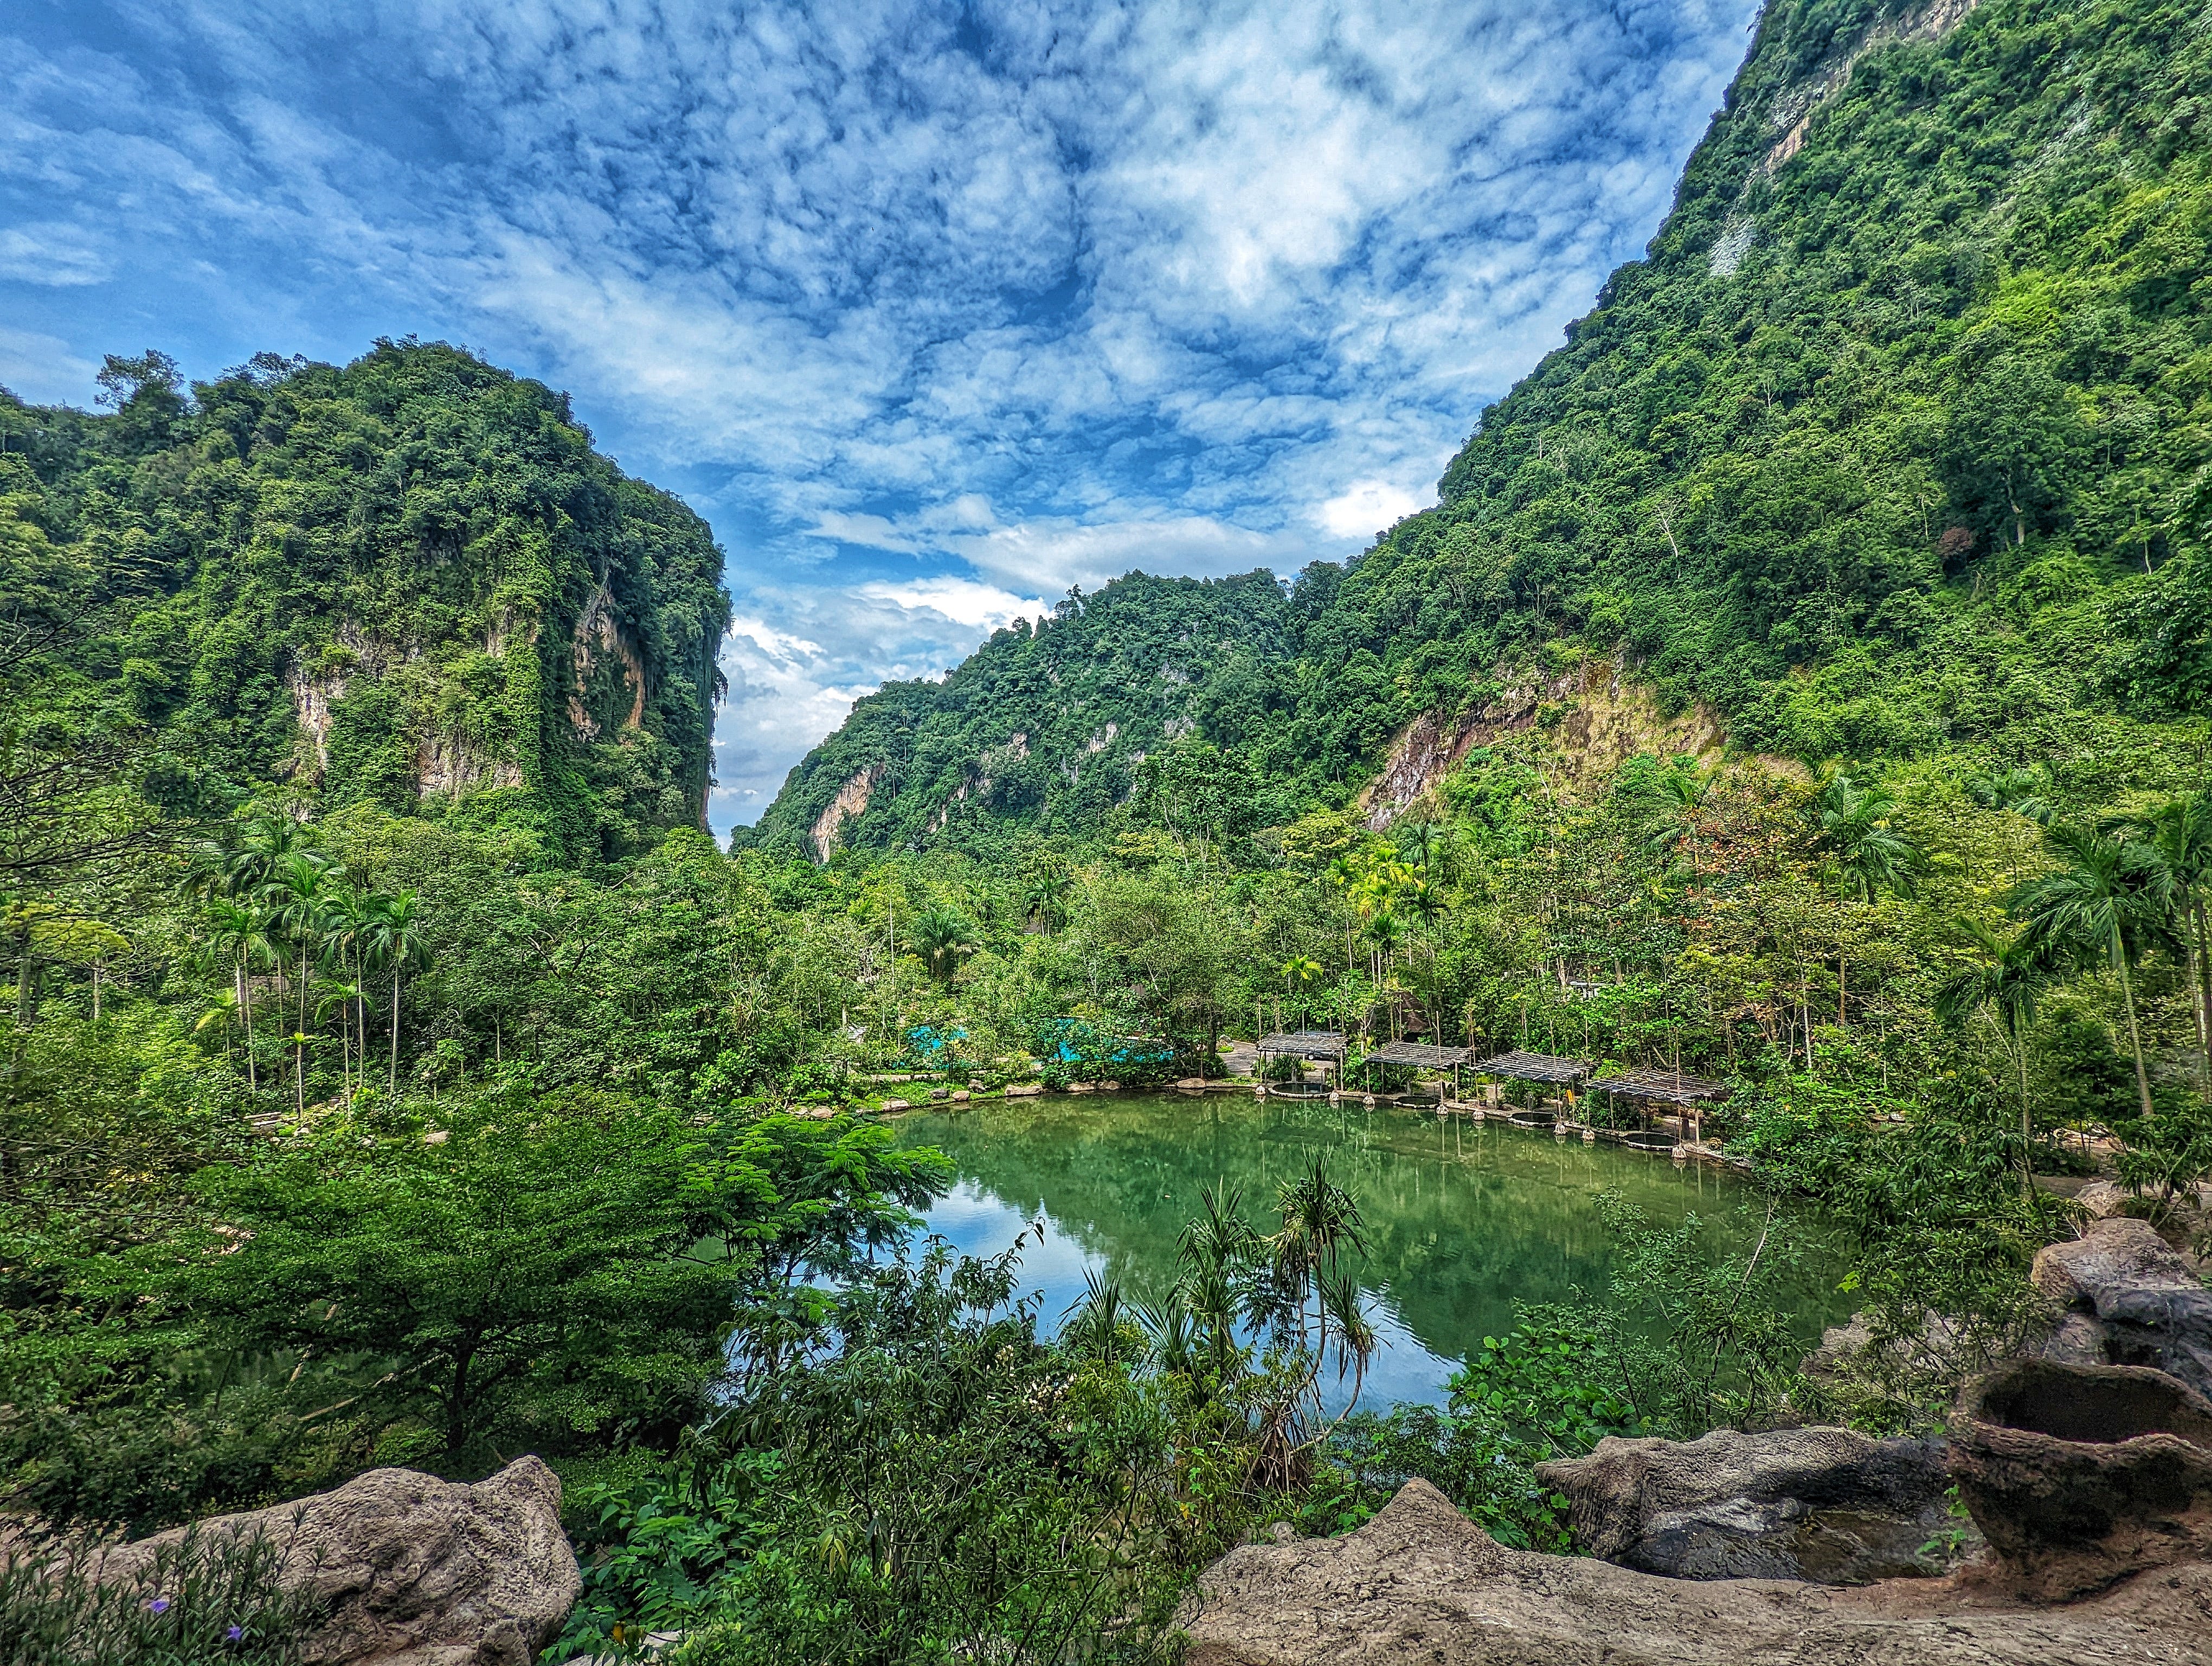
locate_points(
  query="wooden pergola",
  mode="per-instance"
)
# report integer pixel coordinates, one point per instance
(1649, 1085)
(1324, 1044)
(1422, 1056)
(1544, 1069)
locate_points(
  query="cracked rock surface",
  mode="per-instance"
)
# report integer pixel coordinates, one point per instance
(1421, 1583)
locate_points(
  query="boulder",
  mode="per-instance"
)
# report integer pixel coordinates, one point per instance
(408, 1570)
(1422, 1582)
(2080, 1476)
(2148, 1305)
(1823, 1504)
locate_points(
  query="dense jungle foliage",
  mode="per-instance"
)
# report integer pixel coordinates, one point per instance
(1895, 444)
(409, 582)
(395, 1072)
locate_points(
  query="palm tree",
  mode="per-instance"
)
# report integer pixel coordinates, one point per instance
(1300, 972)
(2111, 901)
(943, 938)
(349, 924)
(2006, 981)
(1045, 901)
(298, 907)
(239, 936)
(2020, 791)
(395, 945)
(2179, 831)
(1313, 1293)
(1854, 824)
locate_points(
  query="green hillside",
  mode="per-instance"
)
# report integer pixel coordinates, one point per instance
(1897, 442)
(1803, 683)
(411, 581)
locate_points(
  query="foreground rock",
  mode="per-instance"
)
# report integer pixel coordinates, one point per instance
(1422, 1582)
(412, 1570)
(2082, 1476)
(2127, 1298)
(1823, 1504)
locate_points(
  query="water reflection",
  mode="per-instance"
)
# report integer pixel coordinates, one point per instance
(1463, 1221)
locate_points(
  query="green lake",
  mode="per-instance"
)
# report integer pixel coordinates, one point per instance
(1463, 1219)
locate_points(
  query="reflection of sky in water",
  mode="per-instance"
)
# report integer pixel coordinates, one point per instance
(977, 1222)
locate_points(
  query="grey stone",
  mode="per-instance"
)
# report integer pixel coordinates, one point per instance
(408, 1569)
(1823, 1504)
(2144, 1297)
(1421, 1583)
(2080, 1475)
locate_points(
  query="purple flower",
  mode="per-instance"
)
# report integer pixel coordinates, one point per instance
(158, 1605)
(232, 1633)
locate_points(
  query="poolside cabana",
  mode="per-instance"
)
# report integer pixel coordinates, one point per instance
(1422, 1056)
(1649, 1086)
(1542, 1069)
(1326, 1045)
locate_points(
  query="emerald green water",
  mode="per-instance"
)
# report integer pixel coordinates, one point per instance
(1463, 1220)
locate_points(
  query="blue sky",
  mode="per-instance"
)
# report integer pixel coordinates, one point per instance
(931, 311)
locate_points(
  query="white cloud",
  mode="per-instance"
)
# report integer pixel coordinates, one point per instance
(1369, 506)
(963, 601)
(41, 368)
(1027, 292)
(53, 254)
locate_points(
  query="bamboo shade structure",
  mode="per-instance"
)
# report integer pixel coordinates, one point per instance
(1537, 1068)
(1667, 1086)
(1421, 1054)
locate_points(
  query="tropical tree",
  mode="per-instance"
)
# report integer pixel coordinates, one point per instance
(2006, 980)
(2180, 832)
(297, 908)
(2021, 791)
(239, 938)
(943, 938)
(1045, 901)
(397, 947)
(1870, 857)
(1300, 973)
(2112, 900)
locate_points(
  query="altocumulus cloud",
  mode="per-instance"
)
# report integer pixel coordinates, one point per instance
(933, 310)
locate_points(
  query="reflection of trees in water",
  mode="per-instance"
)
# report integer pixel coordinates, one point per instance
(1462, 1221)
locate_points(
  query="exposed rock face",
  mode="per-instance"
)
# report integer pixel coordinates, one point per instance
(1421, 1583)
(412, 1570)
(1823, 1504)
(2080, 1476)
(2129, 1299)
(852, 800)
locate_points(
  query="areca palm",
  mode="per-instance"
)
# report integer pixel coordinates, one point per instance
(396, 946)
(1300, 972)
(2021, 791)
(1045, 901)
(298, 906)
(2111, 901)
(943, 938)
(2006, 981)
(2179, 831)
(239, 937)
(1871, 856)
(349, 928)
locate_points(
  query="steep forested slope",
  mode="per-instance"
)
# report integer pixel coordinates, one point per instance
(411, 580)
(1047, 725)
(1897, 441)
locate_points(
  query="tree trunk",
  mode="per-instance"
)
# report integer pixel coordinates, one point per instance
(245, 1000)
(394, 1089)
(2203, 991)
(2135, 1036)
